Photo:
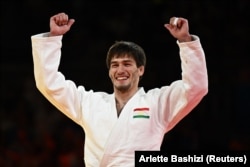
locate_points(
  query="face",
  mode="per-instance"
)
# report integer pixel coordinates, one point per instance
(124, 73)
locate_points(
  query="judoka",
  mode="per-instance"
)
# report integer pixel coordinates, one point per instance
(130, 118)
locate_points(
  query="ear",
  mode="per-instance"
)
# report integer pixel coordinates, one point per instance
(141, 70)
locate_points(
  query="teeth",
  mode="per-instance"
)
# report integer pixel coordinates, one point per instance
(121, 78)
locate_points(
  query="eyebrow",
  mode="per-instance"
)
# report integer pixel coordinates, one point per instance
(123, 61)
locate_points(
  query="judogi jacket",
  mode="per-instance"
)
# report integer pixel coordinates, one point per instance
(111, 140)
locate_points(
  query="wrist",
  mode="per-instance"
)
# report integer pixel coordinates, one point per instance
(187, 38)
(51, 34)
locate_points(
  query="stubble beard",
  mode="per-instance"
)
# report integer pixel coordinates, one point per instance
(122, 88)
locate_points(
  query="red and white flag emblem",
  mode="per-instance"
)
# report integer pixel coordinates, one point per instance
(141, 112)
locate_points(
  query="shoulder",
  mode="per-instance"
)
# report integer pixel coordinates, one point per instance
(94, 95)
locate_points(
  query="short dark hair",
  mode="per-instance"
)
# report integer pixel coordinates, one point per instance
(126, 48)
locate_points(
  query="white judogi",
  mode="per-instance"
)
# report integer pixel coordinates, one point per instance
(109, 140)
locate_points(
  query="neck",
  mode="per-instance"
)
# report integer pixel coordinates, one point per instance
(122, 97)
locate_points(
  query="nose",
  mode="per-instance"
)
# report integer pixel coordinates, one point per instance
(120, 69)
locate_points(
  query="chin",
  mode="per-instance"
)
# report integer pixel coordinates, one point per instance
(122, 87)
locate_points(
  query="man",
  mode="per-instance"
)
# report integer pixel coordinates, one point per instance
(130, 119)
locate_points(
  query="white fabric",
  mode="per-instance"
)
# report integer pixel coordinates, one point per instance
(109, 140)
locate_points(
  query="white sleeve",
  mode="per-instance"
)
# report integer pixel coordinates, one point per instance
(62, 93)
(178, 99)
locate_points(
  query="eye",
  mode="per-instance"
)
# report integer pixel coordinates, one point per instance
(114, 65)
(127, 64)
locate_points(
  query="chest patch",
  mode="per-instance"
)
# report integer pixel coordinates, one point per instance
(141, 113)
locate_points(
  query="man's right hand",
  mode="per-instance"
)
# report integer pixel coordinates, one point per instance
(60, 24)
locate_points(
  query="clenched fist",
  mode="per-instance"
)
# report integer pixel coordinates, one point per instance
(178, 28)
(60, 24)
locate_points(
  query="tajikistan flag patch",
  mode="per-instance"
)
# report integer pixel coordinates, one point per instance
(141, 113)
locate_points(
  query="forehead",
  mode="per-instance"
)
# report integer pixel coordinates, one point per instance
(121, 58)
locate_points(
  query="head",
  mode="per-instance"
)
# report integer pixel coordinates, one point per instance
(126, 62)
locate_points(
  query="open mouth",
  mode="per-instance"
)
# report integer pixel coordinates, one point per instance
(121, 78)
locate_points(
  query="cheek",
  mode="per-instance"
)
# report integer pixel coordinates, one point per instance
(135, 75)
(110, 74)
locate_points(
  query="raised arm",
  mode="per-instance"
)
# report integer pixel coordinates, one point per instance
(182, 96)
(46, 50)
